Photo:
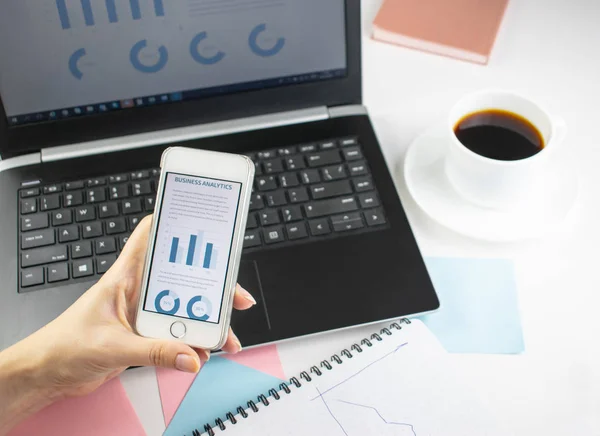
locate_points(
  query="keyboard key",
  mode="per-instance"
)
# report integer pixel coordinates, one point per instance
(40, 256)
(115, 225)
(118, 178)
(123, 240)
(132, 206)
(68, 233)
(310, 176)
(91, 230)
(155, 172)
(273, 166)
(348, 141)
(288, 180)
(330, 207)
(276, 198)
(108, 210)
(81, 249)
(58, 272)
(308, 148)
(251, 223)
(252, 239)
(62, 217)
(138, 175)
(257, 169)
(256, 202)
(333, 189)
(34, 222)
(319, 227)
(40, 238)
(96, 195)
(358, 168)
(286, 151)
(273, 234)
(119, 191)
(269, 217)
(52, 189)
(295, 163)
(141, 188)
(103, 263)
(85, 213)
(99, 181)
(105, 245)
(352, 153)
(334, 173)
(296, 231)
(73, 199)
(50, 202)
(32, 277)
(71, 186)
(362, 184)
(28, 206)
(375, 217)
(368, 200)
(267, 183)
(323, 158)
(269, 154)
(298, 195)
(83, 268)
(328, 145)
(350, 221)
(31, 192)
(133, 222)
(291, 213)
(149, 204)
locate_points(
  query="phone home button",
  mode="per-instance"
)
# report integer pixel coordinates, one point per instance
(178, 330)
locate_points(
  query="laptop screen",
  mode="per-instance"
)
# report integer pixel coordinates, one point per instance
(62, 59)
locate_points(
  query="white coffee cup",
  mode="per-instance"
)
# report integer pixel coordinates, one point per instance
(492, 183)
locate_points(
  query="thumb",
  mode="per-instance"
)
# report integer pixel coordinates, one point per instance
(139, 351)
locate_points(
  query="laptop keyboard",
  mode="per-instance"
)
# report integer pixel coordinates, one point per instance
(74, 231)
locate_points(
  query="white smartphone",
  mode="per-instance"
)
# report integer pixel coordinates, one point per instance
(195, 247)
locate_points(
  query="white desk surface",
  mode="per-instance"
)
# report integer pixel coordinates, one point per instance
(548, 51)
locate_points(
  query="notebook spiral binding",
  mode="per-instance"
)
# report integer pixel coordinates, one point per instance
(275, 394)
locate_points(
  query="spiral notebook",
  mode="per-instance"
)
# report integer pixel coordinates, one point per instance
(399, 381)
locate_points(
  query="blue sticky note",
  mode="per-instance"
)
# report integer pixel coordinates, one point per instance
(479, 310)
(221, 387)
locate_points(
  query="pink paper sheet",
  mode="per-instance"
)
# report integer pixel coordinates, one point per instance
(107, 411)
(173, 385)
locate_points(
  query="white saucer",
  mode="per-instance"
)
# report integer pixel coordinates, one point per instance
(427, 183)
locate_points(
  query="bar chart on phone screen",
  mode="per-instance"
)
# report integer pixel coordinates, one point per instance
(188, 248)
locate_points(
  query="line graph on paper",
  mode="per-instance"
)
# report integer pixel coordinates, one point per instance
(359, 417)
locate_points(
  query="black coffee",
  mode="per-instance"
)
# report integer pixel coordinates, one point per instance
(499, 134)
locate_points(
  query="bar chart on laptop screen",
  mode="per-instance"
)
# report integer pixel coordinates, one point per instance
(89, 13)
(215, 7)
(192, 248)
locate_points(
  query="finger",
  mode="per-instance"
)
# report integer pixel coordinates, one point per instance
(139, 351)
(232, 345)
(135, 248)
(242, 299)
(203, 354)
(130, 262)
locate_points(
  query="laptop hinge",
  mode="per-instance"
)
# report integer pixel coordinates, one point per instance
(184, 134)
(348, 110)
(20, 161)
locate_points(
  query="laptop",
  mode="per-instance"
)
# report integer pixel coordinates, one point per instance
(91, 95)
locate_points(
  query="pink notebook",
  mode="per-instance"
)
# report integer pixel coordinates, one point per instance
(462, 29)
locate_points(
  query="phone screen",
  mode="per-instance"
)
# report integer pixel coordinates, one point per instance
(191, 251)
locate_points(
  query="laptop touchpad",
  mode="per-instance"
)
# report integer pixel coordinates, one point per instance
(251, 326)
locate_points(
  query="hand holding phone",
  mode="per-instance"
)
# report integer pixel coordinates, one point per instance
(195, 247)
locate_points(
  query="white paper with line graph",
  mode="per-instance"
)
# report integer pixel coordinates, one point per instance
(404, 385)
